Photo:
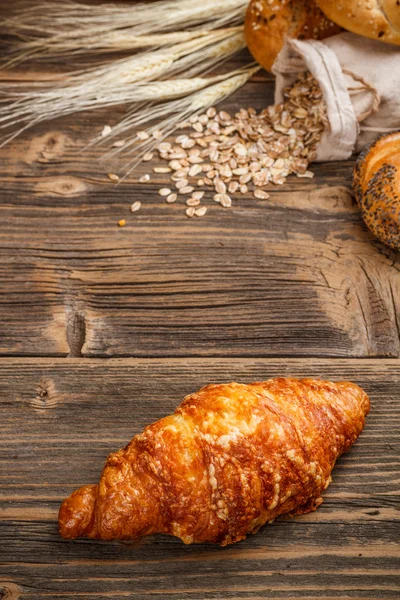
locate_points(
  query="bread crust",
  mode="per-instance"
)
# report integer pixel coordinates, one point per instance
(376, 19)
(268, 24)
(231, 458)
(377, 188)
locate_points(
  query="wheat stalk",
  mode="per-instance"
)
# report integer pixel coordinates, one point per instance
(119, 82)
(50, 29)
(176, 42)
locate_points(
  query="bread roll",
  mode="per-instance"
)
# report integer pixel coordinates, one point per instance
(269, 22)
(377, 188)
(376, 19)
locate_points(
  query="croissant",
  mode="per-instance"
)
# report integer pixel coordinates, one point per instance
(231, 458)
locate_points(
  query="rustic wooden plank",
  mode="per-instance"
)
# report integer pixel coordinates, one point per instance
(60, 418)
(298, 275)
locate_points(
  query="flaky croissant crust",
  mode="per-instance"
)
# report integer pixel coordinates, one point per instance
(230, 458)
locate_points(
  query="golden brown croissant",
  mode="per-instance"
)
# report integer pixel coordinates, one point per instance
(230, 458)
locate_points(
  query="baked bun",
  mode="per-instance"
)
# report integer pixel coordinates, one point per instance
(269, 22)
(376, 19)
(377, 188)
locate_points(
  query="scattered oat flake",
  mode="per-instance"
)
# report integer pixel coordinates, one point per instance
(113, 177)
(181, 183)
(244, 152)
(119, 144)
(145, 178)
(136, 206)
(164, 147)
(142, 135)
(106, 131)
(198, 195)
(201, 211)
(186, 190)
(226, 201)
(261, 195)
(162, 169)
(219, 185)
(164, 191)
(224, 116)
(148, 156)
(195, 170)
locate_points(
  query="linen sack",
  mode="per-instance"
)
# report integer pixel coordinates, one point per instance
(360, 81)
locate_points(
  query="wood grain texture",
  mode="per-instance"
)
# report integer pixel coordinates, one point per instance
(60, 418)
(297, 275)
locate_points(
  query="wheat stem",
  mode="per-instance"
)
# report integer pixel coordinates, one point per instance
(119, 82)
(52, 28)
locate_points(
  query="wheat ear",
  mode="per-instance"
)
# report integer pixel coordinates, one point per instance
(119, 82)
(50, 29)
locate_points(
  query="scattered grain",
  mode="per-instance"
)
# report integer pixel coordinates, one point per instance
(175, 165)
(226, 201)
(195, 170)
(171, 198)
(261, 195)
(200, 212)
(181, 183)
(106, 131)
(162, 169)
(192, 201)
(186, 190)
(248, 149)
(198, 195)
(136, 206)
(219, 186)
(233, 187)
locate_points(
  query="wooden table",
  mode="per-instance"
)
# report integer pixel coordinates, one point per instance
(105, 329)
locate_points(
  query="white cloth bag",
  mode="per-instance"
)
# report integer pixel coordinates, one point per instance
(360, 81)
